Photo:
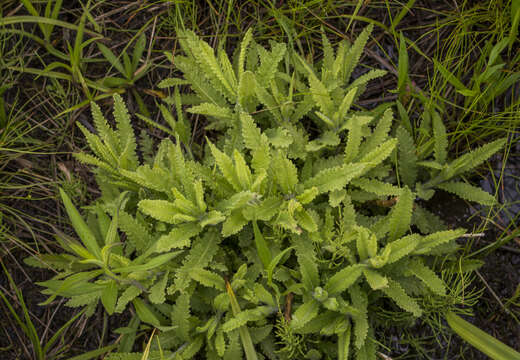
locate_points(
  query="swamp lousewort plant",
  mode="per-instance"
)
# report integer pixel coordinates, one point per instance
(282, 237)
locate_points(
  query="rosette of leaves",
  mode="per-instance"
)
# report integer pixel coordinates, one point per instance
(276, 240)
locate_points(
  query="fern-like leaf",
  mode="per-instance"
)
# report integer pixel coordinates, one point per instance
(305, 313)
(427, 276)
(401, 215)
(401, 298)
(360, 303)
(308, 262)
(440, 139)
(407, 157)
(157, 295)
(436, 239)
(468, 192)
(335, 178)
(344, 278)
(473, 158)
(354, 53)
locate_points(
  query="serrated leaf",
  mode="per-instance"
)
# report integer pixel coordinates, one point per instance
(305, 313)
(128, 295)
(402, 247)
(209, 109)
(157, 291)
(344, 344)
(306, 221)
(285, 173)
(366, 243)
(440, 139)
(353, 140)
(473, 158)
(379, 154)
(468, 192)
(245, 316)
(180, 316)
(380, 133)
(308, 195)
(335, 178)
(178, 237)
(407, 157)
(427, 276)
(164, 210)
(226, 166)
(234, 223)
(377, 187)
(401, 298)
(361, 326)
(308, 262)
(208, 278)
(269, 63)
(429, 242)
(354, 53)
(375, 280)
(401, 216)
(344, 278)
(220, 343)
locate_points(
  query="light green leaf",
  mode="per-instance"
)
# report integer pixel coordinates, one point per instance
(473, 158)
(234, 223)
(261, 246)
(81, 228)
(305, 313)
(375, 280)
(157, 295)
(401, 215)
(208, 278)
(285, 173)
(178, 237)
(109, 297)
(164, 210)
(344, 278)
(407, 157)
(480, 339)
(308, 262)
(128, 295)
(401, 298)
(335, 178)
(427, 276)
(442, 237)
(145, 313)
(468, 192)
(156, 261)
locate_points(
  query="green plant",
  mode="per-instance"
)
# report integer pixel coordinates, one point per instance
(481, 340)
(130, 69)
(74, 61)
(40, 351)
(294, 210)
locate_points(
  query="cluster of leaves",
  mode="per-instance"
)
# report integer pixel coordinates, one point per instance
(279, 238)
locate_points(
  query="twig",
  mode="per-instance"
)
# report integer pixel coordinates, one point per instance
(288, 307)
(492, 292)
(473, 235)
(383, 356)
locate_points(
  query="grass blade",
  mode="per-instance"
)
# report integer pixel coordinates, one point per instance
(247, 342)
(480, 339)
